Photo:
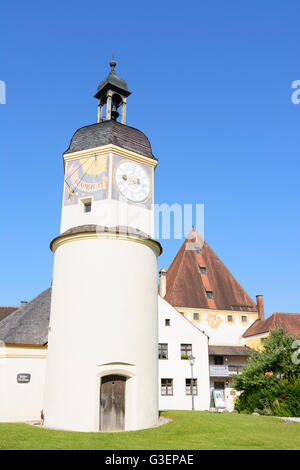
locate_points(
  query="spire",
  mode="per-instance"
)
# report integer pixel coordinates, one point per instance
(112, 92)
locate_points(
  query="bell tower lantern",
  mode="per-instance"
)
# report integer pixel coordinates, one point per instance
(112, 92)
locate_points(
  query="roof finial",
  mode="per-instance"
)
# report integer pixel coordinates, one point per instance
(113, 63)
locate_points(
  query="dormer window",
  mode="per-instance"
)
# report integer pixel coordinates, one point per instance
(209, 294)
(202, 270)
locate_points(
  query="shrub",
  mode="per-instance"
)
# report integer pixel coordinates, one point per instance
(270, 383)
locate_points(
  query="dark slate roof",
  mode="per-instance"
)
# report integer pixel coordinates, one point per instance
(110, 132)
(187, 287)
(229, 351)
(29, 324)
(290, 322)
(117, 83)
(5, 311)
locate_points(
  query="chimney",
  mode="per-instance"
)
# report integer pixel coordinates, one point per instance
(162, 282)
(260, 306)
(23, 303)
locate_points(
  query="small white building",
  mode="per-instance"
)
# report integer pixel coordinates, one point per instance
(178, 338)
(23, 358)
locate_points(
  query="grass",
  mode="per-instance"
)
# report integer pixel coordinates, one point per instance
(189, 430)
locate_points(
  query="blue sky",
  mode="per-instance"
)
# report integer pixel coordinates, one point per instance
(211, 84)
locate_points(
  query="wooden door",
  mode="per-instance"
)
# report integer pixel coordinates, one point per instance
(112, 403)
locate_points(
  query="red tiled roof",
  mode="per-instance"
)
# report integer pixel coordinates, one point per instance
(186, 286)
(290, 322)
(5, 311)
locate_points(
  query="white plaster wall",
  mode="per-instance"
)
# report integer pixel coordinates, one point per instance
(230, 334)
(21, 402)
(108, 213)
(182, 331)
(103, 315)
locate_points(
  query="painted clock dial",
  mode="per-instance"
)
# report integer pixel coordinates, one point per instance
(132, 181)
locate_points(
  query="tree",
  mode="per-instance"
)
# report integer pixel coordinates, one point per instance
(268, 373)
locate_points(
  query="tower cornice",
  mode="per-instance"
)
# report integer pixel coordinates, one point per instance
(105, 149)
(87, 232)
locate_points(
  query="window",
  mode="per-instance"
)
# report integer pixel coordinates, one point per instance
(244, 318)
(209, 294)
(163, 351)
(229, 318)
(203, 270)
(196, 316)
(166, 387)
(198, 251)
(185, 350)
(218, 360)
(167, 322)
(188, 387)
(87, 205)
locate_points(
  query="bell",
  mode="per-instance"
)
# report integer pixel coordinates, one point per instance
(114, 112)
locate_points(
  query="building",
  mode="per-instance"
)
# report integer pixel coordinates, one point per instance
(23, 354)
(179, 338)
(24, 350)
(5, 311)
(200, 287)
(261, 329)
(100, 349)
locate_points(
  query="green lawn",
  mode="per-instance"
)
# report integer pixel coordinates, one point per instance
(188, 430)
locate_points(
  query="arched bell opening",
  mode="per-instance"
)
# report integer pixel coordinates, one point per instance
(115, 103)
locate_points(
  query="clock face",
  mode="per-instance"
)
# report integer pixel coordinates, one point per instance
(132, 181)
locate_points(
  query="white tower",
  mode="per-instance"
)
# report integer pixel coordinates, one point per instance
(102, 360)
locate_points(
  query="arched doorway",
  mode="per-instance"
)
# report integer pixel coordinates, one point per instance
(112, 403)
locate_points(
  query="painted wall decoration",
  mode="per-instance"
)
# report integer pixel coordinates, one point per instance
(86, 177)
(132, 182)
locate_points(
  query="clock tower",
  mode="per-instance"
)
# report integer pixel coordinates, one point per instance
(102, 352)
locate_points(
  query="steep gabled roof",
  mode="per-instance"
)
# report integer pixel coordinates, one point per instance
(5, 311)
(29, 324)
(187, 287)
(290, 322)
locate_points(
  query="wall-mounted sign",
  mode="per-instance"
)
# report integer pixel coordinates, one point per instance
(219, 371)
(23, 378)
(219, 399)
